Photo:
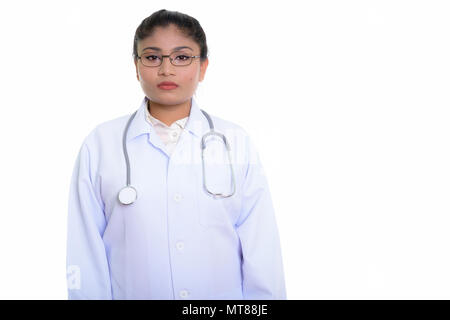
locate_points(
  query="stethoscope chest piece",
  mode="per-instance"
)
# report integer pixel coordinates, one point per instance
(127, 195)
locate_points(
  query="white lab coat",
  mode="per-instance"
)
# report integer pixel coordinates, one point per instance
(175, 241)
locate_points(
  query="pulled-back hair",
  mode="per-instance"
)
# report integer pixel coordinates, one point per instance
(163, 18)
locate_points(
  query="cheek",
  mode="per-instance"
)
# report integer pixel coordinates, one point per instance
(193, 73)
(187, 78)
(147, 76)
(193, 76)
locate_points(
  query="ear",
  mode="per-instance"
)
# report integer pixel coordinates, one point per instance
(137, 73)
(203, 67)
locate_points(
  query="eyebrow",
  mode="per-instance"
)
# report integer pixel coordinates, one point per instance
(174, 49)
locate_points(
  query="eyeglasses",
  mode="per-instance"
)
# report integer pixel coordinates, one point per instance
(177, 59)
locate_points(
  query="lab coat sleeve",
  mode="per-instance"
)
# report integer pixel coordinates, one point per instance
(87, 266)
(262, 266)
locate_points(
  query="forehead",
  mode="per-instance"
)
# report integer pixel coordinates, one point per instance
(167, 38)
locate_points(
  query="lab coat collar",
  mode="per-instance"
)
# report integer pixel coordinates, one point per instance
(196, 123)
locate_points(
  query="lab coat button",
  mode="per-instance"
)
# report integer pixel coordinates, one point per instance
(180, 245)
(184, 293)
(177, 197)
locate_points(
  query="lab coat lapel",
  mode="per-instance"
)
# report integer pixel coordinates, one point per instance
(197, 125)
(156, 141)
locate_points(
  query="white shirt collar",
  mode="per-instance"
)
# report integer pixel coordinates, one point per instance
(196, 124)
(156, 122)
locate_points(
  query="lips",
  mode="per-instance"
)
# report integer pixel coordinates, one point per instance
(167, 84)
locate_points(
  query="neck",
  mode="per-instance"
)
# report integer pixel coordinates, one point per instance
(168, 114)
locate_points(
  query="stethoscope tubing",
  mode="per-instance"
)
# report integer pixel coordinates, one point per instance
(128, 194)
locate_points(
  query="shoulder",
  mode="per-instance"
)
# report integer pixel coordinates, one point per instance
(109, 130)
(227, 127)
(241, 144)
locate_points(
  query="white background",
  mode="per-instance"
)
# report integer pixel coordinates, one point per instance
(347, 101)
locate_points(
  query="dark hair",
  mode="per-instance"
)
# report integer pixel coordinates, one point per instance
(162, 18)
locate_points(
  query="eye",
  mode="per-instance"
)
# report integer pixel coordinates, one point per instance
(182, 57)
(151, 57)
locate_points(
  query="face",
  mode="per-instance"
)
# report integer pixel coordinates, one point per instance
(186, 77)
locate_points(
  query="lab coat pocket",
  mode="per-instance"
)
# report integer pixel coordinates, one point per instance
(216, 211)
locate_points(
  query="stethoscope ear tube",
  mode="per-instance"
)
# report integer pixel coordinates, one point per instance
(214, 133)
(233, 181)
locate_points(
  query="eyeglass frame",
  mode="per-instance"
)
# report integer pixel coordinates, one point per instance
(170, 59)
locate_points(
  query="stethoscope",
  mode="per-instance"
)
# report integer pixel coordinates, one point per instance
(128, 194)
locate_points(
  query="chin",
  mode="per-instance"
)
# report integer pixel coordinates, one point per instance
(165, 99)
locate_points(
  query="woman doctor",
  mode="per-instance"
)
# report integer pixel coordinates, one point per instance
(160, 208)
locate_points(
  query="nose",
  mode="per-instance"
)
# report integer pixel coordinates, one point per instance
(165, 67)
